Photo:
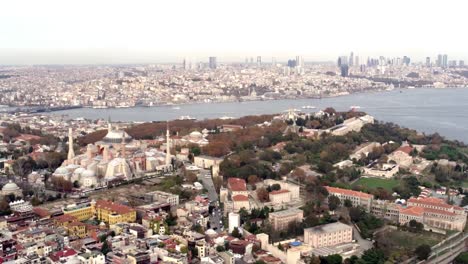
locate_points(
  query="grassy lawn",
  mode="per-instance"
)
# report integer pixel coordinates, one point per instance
(411, 241)
(374, 183)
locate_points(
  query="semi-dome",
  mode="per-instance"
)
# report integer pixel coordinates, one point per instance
(61, 171)
(79, 171)
(10, 187)
(87, 173)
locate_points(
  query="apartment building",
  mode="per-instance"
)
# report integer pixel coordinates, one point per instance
(357, 198)
(280, 220)
(328, 235)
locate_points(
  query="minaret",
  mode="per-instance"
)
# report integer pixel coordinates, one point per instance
(71, 152)
(168, 147)
(122, 146)
(105, 154)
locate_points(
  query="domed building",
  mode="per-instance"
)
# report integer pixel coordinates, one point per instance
(116, 136)
(196, 137)
(12, 188)
(115, 157)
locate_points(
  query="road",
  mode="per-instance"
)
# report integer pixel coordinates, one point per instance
(364, 244)
(216, 216)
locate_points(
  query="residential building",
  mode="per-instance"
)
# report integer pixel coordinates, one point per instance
(112, 213)
(280, 220)
(280, 196)
(163, 197)
(328, 235)
(356, 198)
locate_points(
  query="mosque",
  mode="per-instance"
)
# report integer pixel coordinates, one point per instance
(11, 188)
(116, 157)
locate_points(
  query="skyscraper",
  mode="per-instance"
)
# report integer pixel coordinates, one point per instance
(344, 70)
(299, 61)
(212, 63)
(439, 60)
(445, 61)
(356, 61)
(428, 61)
(351, 59)
(259, 60)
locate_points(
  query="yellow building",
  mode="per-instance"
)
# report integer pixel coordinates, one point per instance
(113, 213)
(81, 211)
(77, 229)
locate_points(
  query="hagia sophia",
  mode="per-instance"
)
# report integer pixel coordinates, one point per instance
(116, 157)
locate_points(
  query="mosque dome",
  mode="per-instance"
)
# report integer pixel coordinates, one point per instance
(115, 136)
(196, 135)
(10, 187)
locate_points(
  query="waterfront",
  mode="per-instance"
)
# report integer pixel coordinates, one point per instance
(428, 110)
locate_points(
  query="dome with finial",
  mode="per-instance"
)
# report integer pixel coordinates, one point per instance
(10, 187)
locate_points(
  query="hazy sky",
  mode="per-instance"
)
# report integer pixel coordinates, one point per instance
(133, 31)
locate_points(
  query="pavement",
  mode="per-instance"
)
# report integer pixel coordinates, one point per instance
(364, 244)
(216, 216)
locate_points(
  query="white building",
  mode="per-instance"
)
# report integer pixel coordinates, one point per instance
(234, 221)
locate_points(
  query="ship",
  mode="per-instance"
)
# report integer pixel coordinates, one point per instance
(186, 118)
(353, 107)
(176, 108)
(308, 107)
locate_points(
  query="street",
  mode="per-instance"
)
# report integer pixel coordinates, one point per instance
(216, 215)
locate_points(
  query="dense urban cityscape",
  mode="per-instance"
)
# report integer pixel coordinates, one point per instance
(62, 87)
(233, 132)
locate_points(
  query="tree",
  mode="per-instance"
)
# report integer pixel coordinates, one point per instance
(105, 247)
(348, 203)
(333, 202)
(461, 259)
(263, 194)
(423, 251)
(252, 179)
(236, 233)
(356, 213)
(333, 259)
(220, 249)
(330, 110)
(373, 256)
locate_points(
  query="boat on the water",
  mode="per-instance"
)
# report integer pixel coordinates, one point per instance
(187, 117)
(308, 107)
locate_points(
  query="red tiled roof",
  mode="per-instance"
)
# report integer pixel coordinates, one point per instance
(279, 192)
(431, 201)
(240, 198)
(334, 190)
(405, 149)
(237, 184)
(65, 218)
(437, 211)
(41, 212)
(413, 210)
(115, 207)
(62, 254)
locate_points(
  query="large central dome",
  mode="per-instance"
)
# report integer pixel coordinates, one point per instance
(115, 136)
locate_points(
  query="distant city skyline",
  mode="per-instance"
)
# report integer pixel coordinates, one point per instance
(118, 32)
